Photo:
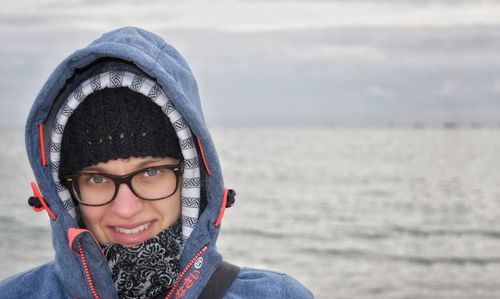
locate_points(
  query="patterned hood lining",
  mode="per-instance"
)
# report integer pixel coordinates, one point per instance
(151, 89)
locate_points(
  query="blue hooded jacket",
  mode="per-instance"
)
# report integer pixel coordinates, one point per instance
(79, 269)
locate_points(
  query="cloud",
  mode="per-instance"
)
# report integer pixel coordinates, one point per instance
(323, 72)
(495, 86)
(249, 16)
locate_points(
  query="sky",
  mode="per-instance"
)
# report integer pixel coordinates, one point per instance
(284, 63)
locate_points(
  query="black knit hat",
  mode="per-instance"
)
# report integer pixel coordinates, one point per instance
(115, 123)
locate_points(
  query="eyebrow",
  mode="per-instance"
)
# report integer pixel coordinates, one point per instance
(142, 164)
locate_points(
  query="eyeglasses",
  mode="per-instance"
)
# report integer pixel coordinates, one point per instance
(98, 189)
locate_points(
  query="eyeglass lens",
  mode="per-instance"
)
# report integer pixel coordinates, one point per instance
(152, 183)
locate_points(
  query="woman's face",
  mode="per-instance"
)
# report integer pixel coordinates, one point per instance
(129, 220)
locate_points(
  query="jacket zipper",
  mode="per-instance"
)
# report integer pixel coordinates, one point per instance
(87, 272)
(186, 269)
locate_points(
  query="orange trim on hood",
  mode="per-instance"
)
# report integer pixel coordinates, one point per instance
(42, 144)
(203, 156)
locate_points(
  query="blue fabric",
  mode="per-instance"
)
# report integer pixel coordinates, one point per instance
(79, 269)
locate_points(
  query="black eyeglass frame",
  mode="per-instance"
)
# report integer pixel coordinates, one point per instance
(72, 179)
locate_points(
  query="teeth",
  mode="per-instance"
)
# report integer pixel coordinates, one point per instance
(131, 231)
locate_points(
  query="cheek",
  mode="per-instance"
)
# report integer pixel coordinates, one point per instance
(173, 205)
(91, 215)
(169, 209)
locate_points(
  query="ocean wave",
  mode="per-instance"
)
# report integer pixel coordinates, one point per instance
(255, 232)
(439, 232)
(352, 253)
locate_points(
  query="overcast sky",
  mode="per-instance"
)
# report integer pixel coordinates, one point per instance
(284, 63)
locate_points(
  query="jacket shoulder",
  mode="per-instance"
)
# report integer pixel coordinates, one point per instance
(39, 282)
(256, 283)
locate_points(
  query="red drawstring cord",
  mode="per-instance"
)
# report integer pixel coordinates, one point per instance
(38, 196)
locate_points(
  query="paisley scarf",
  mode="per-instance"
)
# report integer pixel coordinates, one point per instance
(148, 269)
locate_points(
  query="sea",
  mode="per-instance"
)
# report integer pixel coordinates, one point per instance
(348, 212)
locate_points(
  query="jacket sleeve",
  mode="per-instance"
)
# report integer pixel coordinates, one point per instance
(254, 283)
(294, 289)
(40, 282)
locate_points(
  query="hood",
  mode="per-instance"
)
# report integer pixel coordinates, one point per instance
(131, 48)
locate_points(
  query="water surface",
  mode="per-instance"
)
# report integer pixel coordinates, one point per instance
(351, 213)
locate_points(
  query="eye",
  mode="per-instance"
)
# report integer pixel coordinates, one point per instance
(97, 179)
(151, 172)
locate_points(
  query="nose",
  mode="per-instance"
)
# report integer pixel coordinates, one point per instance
(126, 204)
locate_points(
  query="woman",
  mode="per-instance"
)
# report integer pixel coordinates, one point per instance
(131, 181)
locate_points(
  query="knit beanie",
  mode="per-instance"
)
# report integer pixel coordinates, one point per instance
(115, 123)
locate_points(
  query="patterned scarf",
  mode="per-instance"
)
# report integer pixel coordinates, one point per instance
(148, 269)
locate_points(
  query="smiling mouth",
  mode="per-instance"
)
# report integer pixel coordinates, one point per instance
(132, 231)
